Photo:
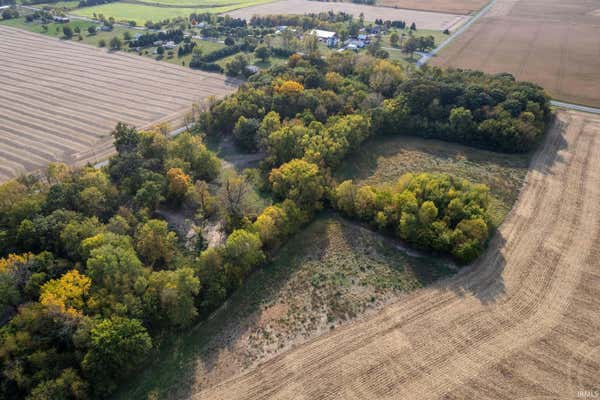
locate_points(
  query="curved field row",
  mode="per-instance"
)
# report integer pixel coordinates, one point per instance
(522, 322)
(60, 100)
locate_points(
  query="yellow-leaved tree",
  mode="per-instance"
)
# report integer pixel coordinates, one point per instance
(68, 293)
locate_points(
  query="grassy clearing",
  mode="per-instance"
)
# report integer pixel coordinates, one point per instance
(384, 159)
(252, 60)
(329, 273)
(140, 13)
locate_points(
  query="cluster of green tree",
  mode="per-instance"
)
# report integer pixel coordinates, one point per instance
(90, 3)
(307, 21)
(489, 111)
(398, 24)
(432, 212)
(413, 43)
(10, 13)
(186, 47)
(89, 273)
(147, 39)
(224, 52)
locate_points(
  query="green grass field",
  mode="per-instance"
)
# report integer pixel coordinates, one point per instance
(384, 159)
(331, 272)
(55, 30)
(157, 11)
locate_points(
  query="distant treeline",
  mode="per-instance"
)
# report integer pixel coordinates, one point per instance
(147, 39)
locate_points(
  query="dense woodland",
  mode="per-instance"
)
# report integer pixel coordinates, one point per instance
(91, 276)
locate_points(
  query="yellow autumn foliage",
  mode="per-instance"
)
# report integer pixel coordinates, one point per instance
(68, 293)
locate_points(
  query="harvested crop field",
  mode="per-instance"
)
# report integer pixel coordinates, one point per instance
(551, 42)
(522, 322)
(464, 7)
(60, 100)
(423, 19)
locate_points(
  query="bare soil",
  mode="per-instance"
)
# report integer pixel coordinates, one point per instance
(522, 322)
(463, 7)
(423, 19)
(60, 100)
(550, 42)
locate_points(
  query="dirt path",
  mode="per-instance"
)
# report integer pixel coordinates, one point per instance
(521, 323)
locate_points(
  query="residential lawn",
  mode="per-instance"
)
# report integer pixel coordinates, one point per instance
(205, 45)
(383, 160)
(140, 13)
(329, 273)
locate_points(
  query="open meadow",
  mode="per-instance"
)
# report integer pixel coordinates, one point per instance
(60, 100)
(521, 322)
(552, 43)
(423, 20)
(141, 11)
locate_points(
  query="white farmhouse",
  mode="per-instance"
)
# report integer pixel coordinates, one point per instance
(328, 37)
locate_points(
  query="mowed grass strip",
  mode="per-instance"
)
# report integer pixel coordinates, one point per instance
(384, 159)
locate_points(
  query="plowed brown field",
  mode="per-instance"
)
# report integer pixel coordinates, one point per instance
(59, 100)
(554, 43)
(522, 323)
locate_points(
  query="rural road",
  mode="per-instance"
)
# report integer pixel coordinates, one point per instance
(427, 56)
(521, 323)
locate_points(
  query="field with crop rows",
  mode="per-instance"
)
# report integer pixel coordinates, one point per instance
(550, 42)
(60, 100)
(423, 19)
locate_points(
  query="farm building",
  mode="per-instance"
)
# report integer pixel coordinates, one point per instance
(328, 37)
(60, 20)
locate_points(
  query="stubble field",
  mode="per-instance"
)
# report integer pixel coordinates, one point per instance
(60, 100)
(553, 43)
(464, 7)
(521, 322)
(423, 19)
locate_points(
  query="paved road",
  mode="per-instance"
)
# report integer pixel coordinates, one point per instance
(575, 107)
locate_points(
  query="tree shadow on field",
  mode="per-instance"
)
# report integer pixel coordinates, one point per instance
(551, 145)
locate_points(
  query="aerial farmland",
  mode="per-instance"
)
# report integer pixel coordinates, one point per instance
(552, 43)
(60, 100)
(299, 199)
